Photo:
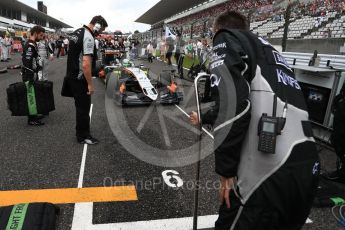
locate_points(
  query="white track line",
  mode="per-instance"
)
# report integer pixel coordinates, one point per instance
(82, 166)
(182, 111)
(163, 126)
(185, 223)
(203, 129)
(84, 222)
(81, 216)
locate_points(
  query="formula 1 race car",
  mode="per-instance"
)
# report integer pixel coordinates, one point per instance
(132, 85)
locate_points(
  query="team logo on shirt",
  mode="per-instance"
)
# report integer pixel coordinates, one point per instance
(74, 38)
(280, 60)
(89, 44)
(287, 80)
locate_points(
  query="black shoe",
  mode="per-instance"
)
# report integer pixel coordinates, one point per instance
(35, 123)
(40, 117)
(336, 176)
(88, 140)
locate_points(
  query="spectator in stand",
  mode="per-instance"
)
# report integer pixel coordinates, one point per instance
(329, 32)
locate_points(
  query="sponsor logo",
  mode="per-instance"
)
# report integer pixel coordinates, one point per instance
(287, 80)
(280, 60)
(216, 57)
(222, 45)
(89, 45)
(216, 64)
(316, 168)
(215, 80)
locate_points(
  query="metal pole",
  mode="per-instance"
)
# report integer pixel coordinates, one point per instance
(197, 176)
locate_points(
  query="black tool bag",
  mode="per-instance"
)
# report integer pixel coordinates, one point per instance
(17, 98)
(34, 216)
(44, 96)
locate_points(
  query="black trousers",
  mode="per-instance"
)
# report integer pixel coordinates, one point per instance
(150, 57)
(283, 201)
(168, 56)
(82, 103)
(58, 52)
(179, 60)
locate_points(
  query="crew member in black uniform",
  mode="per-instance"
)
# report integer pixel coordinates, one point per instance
(30, 68)
(263, 186)
(80, 61)
(59, 44)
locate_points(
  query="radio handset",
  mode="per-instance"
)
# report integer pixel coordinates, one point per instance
(269, 128)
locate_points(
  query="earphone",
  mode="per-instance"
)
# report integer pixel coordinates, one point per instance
(97, 27)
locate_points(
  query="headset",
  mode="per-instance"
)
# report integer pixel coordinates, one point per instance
(99, 24)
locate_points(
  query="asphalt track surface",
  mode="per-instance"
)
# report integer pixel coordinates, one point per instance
(49, 157)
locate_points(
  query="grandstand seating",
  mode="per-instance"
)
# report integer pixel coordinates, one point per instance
(309, 19)
(255, 25)
(333, 29)
(268, 28)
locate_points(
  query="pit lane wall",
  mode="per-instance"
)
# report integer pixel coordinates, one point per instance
(323, 46)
